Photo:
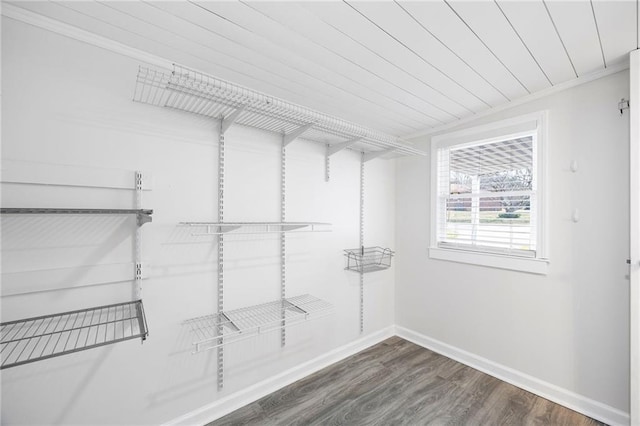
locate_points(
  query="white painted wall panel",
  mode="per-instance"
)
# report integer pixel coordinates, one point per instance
(68, 103)
(569, 328)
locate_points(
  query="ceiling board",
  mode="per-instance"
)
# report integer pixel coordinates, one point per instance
(400, 67)
(408, 33)
(577, 30)
(372, 104)
(617, 24)
(443, 23)
(307, 88)
(486, 20)
(104, 12)
(322, 34)
(441, 91)
(65, 14)
(303, 22)
(361, 81)
(533, 25)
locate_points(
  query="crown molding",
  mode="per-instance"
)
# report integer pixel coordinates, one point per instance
(28, 17)
(14, 12)
(611, 69)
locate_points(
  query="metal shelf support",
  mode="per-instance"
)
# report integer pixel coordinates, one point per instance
(141, 220)
(295, 134)
(220, 253)
(362, 161)
(230, 119)
(375, 154)
(283, 214)
(332, 149)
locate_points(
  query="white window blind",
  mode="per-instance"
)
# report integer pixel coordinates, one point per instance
(486, 196)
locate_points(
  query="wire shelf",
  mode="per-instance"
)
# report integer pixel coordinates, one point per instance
(242, 228)
(143, 215)
(191, 91)
(35, 339)
(368, 259)
(219, 329)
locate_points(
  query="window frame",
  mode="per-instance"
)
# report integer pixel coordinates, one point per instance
(530, 124)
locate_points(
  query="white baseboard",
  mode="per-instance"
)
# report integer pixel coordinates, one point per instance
(572, 400)
(230, 403)
(569, 399)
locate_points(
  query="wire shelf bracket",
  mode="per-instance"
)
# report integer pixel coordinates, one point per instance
(38, 338)
(295, 134)
(216, 330)
(332, 149)
(368, 156)
(228, 121)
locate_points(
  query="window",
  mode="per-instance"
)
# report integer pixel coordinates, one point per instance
(487, 195)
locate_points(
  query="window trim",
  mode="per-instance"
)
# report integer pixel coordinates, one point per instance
(530, 123)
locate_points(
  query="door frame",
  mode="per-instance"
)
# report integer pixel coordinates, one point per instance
(634, 234)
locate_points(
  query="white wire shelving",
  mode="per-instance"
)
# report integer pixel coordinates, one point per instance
(38, 338)
(368, 259)
(192, 91)
(143, 215)
(219, 329)
(244, 228)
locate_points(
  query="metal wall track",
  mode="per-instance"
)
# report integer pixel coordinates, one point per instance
(283, 254)
(362, 161)
(220, 255)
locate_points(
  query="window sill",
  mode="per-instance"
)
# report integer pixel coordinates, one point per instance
(530, 265)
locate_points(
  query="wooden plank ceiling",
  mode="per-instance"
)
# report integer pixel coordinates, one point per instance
(401, 67)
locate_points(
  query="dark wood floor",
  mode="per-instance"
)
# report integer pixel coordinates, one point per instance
(399, 383)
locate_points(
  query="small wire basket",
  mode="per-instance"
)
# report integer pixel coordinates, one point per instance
(368, 259)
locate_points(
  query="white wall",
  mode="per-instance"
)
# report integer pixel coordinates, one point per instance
(568, 328)
(69, 103)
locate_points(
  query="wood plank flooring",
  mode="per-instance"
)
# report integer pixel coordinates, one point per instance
(399, 383)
